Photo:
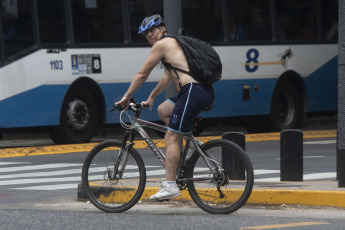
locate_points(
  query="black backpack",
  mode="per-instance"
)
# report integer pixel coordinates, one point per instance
(203, 61)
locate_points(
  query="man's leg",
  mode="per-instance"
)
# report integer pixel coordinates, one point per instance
(169, 188)
(172, 155)
(172, 142)
(165, 110)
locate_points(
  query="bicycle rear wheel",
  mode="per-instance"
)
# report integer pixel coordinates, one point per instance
(109, 191)
(226, 191)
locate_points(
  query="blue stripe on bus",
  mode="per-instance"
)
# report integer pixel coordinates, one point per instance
(322, 88)
(229, 97)
(41, 106)
(36, 107)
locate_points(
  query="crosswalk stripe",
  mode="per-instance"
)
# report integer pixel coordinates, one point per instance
(265, 171)
(311, 176)
(13, 163)
(51, 187)
(320, 142)
(36, 167)
(314, 176)
(39, 180)
(41, 174)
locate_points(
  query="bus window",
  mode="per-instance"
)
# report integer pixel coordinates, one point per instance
(18, 30)
(236, 27)
(203, 19)
(97, 21)
(138, 10)
(330, 19)
(249, 20)
(296, 20)
(52, 23)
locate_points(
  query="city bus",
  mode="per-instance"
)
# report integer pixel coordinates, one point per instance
(63, 63)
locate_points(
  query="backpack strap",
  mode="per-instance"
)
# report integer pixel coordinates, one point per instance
(168, 65)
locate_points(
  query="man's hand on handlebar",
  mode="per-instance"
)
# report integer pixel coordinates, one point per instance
(148, 103)
(124, 102)
(129, 105)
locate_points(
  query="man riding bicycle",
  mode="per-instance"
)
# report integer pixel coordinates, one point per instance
(178, 112)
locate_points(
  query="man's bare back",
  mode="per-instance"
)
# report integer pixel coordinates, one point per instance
(174, 55)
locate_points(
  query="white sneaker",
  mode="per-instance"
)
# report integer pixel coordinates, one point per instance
(192, 149)
(166, 193)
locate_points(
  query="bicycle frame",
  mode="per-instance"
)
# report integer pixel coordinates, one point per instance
(137, 125)
(115, 181)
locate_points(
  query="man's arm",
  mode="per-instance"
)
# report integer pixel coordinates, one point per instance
(156, 54)
(162, 85)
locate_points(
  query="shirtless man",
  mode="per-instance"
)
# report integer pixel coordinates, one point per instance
(178, 112)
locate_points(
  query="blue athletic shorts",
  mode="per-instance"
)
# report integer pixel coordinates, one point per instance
(191, 100)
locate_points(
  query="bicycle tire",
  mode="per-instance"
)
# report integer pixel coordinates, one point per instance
(112, 195)
(237, 185)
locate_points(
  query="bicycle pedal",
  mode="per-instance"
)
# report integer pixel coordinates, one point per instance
(163, 200)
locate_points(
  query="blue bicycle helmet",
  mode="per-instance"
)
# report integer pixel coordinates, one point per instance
(149, 22)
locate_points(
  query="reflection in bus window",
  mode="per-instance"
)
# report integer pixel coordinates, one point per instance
(236, 30)
(259, 27)
(52, 23)
(18, 31)
(202, 19)
(253, 17)
(99, 22)
(138, 10)
(330, 19)
(296, 21)
(307, 29)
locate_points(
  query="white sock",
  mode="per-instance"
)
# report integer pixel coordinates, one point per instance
(170, 184)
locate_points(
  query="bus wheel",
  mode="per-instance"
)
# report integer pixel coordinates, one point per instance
(286, 107)
(78, 119)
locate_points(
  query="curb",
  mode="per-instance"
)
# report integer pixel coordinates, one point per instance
(297, 197)
(268, 197)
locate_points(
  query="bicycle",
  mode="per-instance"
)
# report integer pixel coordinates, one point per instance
(219, 174)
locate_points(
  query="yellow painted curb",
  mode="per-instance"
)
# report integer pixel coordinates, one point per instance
(45, 150)
(275, 197)
(298, 197)
(276, 136)
(60, 149)
(279, 197)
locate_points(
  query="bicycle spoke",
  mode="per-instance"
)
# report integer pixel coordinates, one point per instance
(226, 190)
(109, 192)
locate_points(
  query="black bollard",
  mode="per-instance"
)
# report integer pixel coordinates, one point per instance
(232, 165)
(291, 155)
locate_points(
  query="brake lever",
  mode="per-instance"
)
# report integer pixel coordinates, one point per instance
(117, 107)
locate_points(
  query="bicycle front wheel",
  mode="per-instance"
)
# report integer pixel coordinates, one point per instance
(230, 186)
(109, 188)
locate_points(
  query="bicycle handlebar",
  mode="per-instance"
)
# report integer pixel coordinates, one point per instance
(133, 106)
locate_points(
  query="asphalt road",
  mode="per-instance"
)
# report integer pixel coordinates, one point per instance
(40, 192)
(77, 215)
